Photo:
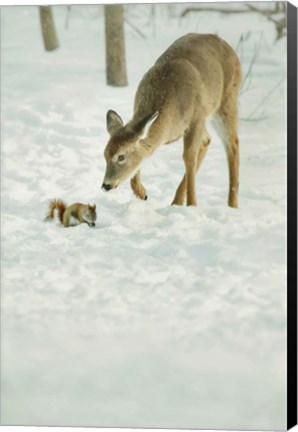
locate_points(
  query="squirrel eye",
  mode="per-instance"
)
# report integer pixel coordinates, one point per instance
(121, 158)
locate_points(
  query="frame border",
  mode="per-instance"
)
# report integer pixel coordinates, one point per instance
(292, 217)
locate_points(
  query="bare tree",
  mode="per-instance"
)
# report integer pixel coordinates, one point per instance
(50, 39)
(115, 46)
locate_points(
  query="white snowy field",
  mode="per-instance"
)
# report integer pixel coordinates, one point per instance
(168, 317)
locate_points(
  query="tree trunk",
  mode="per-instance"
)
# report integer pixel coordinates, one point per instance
(48, 28)
(115, 46)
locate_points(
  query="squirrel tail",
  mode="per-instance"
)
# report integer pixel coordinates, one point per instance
(58, 205)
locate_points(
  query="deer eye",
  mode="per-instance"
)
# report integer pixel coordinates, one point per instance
(121, 158)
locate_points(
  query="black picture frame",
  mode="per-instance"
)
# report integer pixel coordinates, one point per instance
(291, 183)
(292, 216)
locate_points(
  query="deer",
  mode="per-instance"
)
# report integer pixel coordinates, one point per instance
(197, 78)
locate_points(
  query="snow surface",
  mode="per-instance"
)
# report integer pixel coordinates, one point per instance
(169, 317)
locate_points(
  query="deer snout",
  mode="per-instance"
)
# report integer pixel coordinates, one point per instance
(106, 186)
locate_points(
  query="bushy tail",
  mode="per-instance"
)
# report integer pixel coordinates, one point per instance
(58, 205)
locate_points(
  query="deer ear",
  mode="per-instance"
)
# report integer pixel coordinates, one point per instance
(114, 122)
(144, 125)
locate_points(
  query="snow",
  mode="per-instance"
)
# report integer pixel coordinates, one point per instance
(169, 317)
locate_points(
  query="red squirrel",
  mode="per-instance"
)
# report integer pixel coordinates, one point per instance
(72, 215)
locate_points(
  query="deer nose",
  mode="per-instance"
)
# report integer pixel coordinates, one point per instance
(107, 187)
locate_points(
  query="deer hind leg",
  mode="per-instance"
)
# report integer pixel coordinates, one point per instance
(137, 187)
(226, 126)
(180, 194)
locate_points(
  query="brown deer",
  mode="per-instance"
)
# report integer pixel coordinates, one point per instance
(197, 77)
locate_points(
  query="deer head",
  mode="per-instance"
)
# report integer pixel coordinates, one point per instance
(126, 147)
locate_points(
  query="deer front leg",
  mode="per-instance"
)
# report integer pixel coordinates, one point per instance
(137, 187)
(189, 157)
(179, 197)
(181, 190)
(193, 143)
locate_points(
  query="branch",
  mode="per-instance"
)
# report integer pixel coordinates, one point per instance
(266, 12)
(249, 6)
(68, 11)
(209, 9)
(135, 28)
(253, 60)
(250, 117)
(280, 25)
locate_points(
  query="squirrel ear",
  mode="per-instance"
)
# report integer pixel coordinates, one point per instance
(94, 206)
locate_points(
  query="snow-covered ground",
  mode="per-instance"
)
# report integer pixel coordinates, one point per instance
(161, 316)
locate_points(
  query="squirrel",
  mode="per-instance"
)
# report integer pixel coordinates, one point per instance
(72, 215)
